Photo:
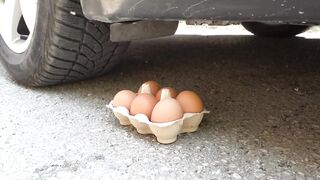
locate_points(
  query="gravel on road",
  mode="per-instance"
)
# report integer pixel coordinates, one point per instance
(263, 94)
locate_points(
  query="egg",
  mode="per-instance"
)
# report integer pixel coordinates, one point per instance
(145, 89)
(190, 102)
(172, 92)
(123, 98)
(166, 110)
(143, 104)
(154, 87)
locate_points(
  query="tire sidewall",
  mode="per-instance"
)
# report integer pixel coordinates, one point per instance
(274, 30)
(22, 66)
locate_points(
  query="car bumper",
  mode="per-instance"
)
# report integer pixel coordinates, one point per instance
(278, 11)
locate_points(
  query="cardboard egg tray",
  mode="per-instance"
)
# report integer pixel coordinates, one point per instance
(167, 132)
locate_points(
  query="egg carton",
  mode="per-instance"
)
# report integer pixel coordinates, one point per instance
(167, 132)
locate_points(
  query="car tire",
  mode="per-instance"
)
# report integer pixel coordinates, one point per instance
(65, 47)
(274, 30)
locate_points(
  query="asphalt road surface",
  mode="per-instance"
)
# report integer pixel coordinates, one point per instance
(263, 94)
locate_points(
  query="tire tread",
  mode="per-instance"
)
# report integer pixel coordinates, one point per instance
(77, 48)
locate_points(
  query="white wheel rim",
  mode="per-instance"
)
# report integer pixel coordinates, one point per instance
(11, 12)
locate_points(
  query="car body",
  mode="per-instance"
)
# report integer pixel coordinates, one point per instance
(48, 42)
(276, 11)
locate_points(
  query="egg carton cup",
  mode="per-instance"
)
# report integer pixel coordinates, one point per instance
(167, 132)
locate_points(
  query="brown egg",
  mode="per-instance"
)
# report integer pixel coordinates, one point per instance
(143, 104)
(145, 89)
(124, 98)
(166, 110)
(190, 102)
(173, 92)
(154, 86)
